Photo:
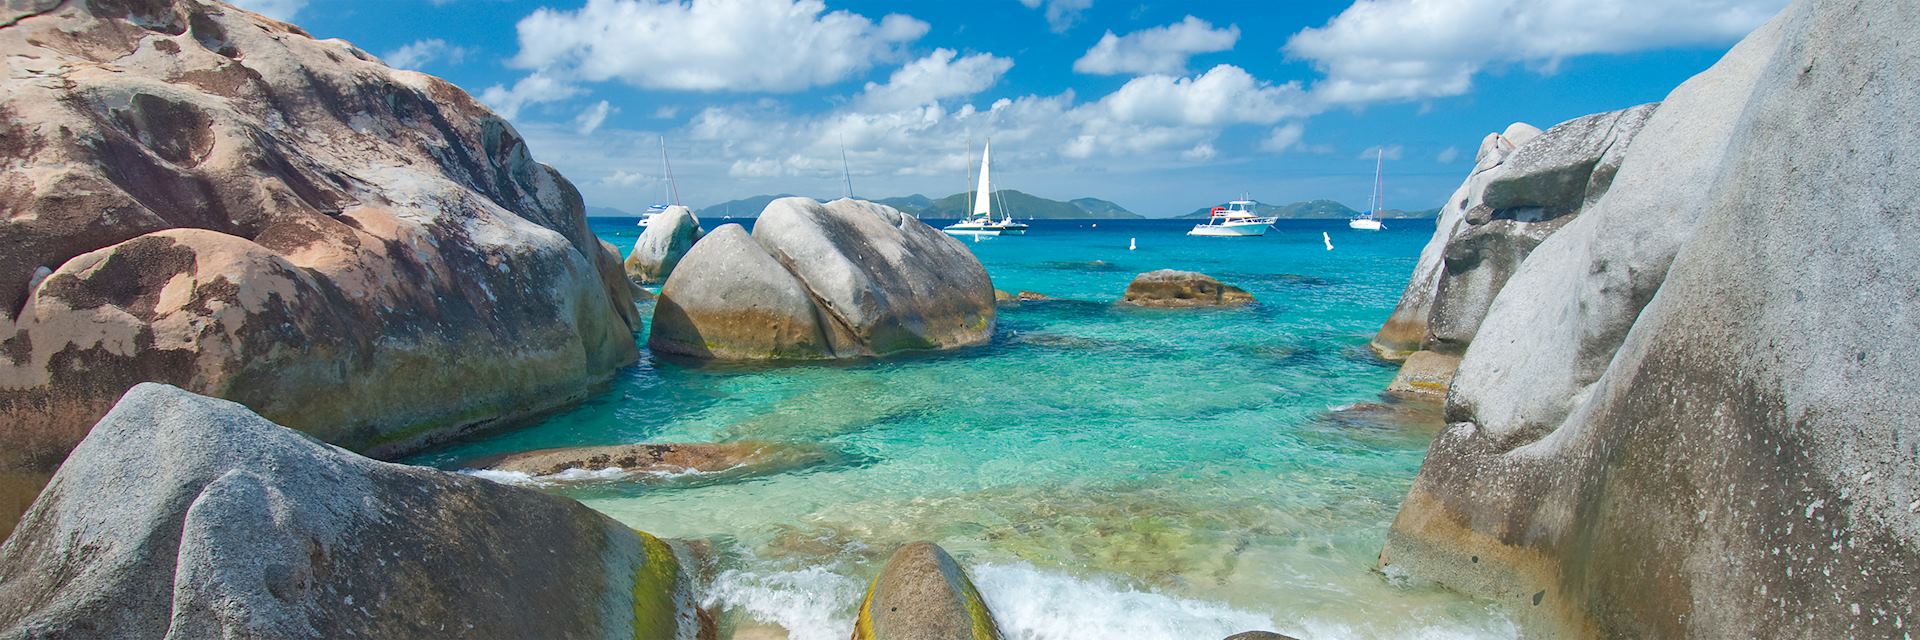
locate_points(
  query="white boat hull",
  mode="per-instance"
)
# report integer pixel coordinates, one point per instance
(970, 230)
(1231, 230)
(1364, 225)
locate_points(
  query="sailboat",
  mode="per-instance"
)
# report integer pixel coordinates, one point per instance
(981, 222)
(672, 189)
(1370, 221)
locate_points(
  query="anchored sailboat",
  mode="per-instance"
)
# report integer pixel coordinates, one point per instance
(1370, 221)
(672, 190)
(980, 222)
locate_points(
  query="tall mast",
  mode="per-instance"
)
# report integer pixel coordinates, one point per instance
(845, 170)
(673, 188)
(1379, 184)
(969, 165)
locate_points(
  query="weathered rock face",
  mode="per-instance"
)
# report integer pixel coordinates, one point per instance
(733, 458)
(221, 202)
(1523, 189)
(183, 516)
(662, 245)
(1680, 417)
(1170, 288)
(922, 594)
(844, 279)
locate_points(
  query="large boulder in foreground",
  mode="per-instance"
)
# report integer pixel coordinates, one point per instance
(667, 238)
(183, 516)
(815, 281)
(1521, 191)
(922, 594)
(221, 202)
(1173, 289)
(1689, 413)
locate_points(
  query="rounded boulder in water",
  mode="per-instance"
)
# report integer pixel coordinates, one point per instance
(922, 594)
(1170, 288)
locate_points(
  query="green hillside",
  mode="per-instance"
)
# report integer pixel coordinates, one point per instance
(1027, 206)
(1023, 205)
(749, 207)
(913, 204)
(1314, 210)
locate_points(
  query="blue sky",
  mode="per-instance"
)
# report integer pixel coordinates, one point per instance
(1160, 106)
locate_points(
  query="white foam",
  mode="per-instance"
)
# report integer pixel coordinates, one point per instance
(811, 604)
(527, 480)
(1030, 604)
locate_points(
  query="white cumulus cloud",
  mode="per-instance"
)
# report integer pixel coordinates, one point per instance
(593, 117)
(420, 53)
(935, 77)
(1284, 138)
(1061, 14)
(1157, 50)
(712, 45)
(1225, 94)
(536, 88)
(1382, 50)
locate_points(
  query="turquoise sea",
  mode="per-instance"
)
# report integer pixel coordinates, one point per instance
(1104, 472)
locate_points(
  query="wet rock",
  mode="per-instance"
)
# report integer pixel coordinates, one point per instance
(1259, 635)
(1029, 296)
(729, 458)
(662, 245)
(184, 516)
(1425, 373)
(226, 204)
(1002, 297)
(1170, 288)
(817, 281)
(1681, 416)
(922, 594)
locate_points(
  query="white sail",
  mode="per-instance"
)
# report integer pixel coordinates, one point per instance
(980, 194)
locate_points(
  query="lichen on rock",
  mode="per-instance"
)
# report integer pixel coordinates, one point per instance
(222, 202)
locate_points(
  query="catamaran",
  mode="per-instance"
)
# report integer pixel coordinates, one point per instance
(1370, 220)
(1236, 220)
(981, 222)
(672, 188)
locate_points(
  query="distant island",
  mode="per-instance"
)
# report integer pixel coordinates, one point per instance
(1023, 205)
(1315, 210)
(1028, 206)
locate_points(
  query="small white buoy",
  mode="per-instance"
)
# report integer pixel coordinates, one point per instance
(1328, 239)
(1096, 225)
(1133, 243)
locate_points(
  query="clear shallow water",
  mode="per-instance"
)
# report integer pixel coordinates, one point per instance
(1106, 472)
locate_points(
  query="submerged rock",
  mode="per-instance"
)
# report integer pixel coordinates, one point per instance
(1681, 416)
(226, 204)
(815, 281)
(1425, 373)
(184, 516)
(662, 245)
(1170, 288)
(922, 594)
(731, 458)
